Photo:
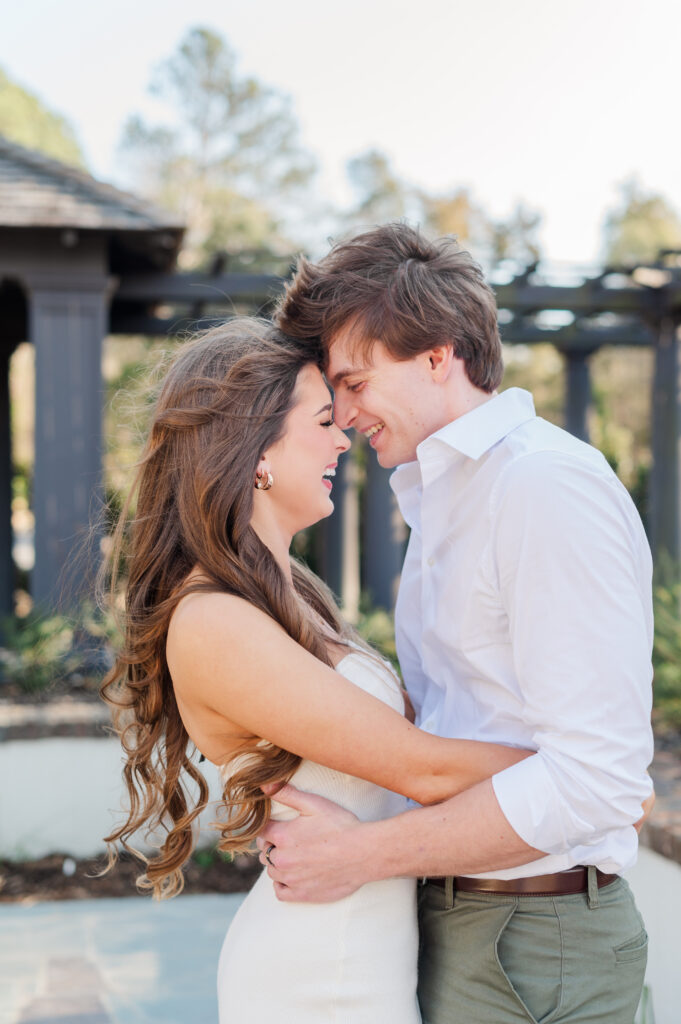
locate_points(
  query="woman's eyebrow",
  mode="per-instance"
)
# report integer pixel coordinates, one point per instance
(324, 408)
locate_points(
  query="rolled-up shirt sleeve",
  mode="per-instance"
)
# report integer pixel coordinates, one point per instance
(573, 572)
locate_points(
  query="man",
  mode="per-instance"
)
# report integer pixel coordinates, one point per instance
(523, 616)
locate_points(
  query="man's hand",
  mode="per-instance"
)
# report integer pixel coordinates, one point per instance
(316, 857)
(647, 807)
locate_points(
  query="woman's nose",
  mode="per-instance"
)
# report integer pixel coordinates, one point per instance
(343, 442)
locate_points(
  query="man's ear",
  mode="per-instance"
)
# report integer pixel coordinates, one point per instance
(440, 360)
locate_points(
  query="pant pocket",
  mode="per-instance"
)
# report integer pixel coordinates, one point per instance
(632, 950)
(529, 952)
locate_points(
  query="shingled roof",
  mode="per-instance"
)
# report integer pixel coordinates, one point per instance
(37, 191)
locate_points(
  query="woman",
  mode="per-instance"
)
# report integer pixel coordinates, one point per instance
(235, 649)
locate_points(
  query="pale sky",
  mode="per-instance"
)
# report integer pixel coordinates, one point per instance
(545, 101)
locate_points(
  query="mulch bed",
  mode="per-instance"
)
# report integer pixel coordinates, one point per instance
(47, 879)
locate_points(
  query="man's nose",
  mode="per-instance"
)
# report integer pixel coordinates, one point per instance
(344, 411)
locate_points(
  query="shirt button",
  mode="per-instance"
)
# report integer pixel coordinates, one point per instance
(431, 561)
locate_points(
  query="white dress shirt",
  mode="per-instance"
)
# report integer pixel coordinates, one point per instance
(524, 616)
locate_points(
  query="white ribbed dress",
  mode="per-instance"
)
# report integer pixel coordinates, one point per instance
(349, 962)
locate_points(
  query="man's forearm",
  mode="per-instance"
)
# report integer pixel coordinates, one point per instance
(464, 835)
(325, 853)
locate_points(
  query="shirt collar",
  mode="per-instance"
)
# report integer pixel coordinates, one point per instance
(407, 485)
(471, 435)
(480, 429)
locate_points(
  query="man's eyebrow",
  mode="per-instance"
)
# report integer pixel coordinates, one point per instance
(339, 377)
(324, 408)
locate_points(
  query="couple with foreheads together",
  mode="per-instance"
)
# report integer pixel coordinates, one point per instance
(450, 850)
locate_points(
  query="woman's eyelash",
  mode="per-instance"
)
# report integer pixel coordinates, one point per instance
(328, 423)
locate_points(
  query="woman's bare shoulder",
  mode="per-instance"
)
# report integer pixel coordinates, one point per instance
(214, 619)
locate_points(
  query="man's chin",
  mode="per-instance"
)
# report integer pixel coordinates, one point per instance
(386, 460)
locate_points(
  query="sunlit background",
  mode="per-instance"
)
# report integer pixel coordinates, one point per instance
(542, 134)
(536, 133)
(565, 111)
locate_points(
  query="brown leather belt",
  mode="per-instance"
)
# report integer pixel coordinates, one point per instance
(563, 883)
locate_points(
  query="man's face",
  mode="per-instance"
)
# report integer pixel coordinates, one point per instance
(389, 401)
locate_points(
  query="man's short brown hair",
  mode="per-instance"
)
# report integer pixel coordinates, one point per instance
(393, 285)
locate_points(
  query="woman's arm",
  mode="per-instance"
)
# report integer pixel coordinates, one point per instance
(228, 656)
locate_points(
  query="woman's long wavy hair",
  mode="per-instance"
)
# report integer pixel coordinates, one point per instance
(223, 402)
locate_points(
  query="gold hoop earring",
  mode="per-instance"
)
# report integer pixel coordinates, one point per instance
(263, 481)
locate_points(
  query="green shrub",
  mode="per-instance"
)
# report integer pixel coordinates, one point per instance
(377, 627)
(667, 655)
(38, 651)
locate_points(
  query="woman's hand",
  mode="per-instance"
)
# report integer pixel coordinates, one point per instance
(647, 807)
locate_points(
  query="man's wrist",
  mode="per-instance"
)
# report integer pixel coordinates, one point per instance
(376, 850)
(368, 847)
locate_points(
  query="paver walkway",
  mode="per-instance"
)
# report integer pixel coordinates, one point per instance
(125, 961)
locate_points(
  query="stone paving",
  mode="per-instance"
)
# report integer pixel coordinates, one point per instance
(125, 961)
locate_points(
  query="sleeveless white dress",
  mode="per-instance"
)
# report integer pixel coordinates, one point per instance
(349, 962)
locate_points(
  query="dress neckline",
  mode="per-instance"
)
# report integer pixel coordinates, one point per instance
(356, 649)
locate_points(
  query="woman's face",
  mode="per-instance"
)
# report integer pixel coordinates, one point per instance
(303, 461)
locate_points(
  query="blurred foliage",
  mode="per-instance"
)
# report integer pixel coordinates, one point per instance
(619, 420)
(25, 119)
(132, 368)
(639, 226)
(227, 158)
(539, 369)
(40, 652)
(382, 194)
(377, 627)
(667, 655)
(645, 1014)
(207, 857)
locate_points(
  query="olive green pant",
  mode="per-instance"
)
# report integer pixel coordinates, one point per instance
(488, 959)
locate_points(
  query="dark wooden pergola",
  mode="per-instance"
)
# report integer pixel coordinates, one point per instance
(636, 306)
(65, 240)
(80, 260)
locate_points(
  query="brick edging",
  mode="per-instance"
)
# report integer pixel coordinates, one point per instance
(66, 717)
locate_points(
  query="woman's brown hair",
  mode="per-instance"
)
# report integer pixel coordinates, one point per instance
(223, 402)
(391, 284)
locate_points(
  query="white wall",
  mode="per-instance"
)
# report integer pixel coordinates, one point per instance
(63, 795)
(656, 884)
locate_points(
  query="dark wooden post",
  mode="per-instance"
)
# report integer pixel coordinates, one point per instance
(68, 317)
(577, 393)
(6, 563)
(338, 538)
(665, 476)
(384, 537)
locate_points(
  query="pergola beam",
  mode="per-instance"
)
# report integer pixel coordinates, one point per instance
(523, 298)
(577, 339)
(638, 315)
(198, 288)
